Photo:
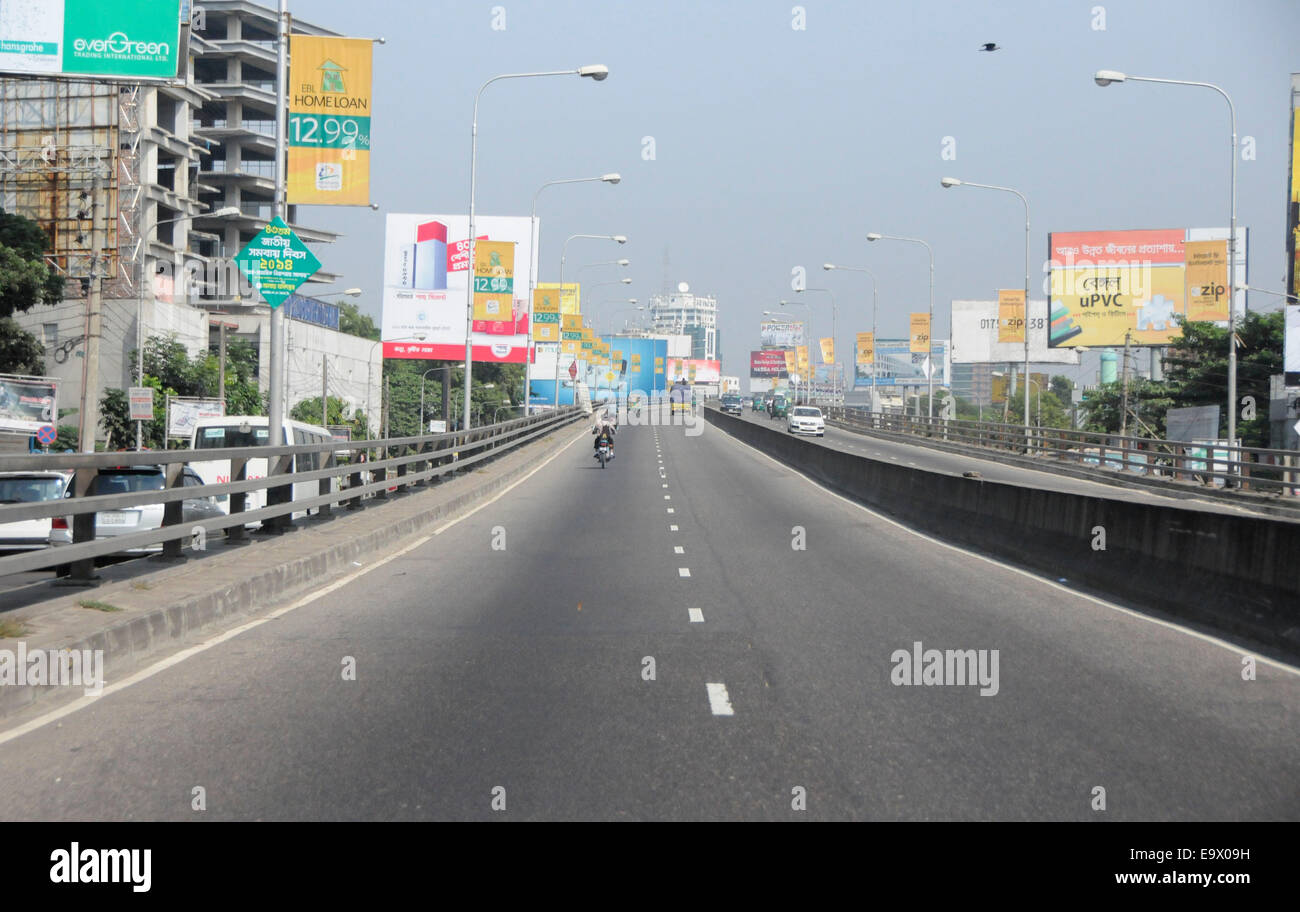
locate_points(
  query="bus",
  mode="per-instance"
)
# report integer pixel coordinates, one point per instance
(250, 431)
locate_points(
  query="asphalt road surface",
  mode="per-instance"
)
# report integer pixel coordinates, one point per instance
(507, 658)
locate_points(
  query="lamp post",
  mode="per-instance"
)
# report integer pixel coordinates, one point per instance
(612, 178)
(446, 381)
(874, 302)
(1105, 78)
(834, 311)
(948, 182)
(370, 367)
(139, 303)
(929, 375)
(618, 238)
(597, 72)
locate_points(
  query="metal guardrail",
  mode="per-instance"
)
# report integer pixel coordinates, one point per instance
(349, 472)
(1218, 465)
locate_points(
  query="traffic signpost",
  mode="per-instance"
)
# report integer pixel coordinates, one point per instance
(276, 261)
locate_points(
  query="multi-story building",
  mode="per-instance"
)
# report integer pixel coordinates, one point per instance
(161, 159)
(683, 313)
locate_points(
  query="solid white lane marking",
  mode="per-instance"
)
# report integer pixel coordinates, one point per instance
(672, 528)
(678, 549)
(1196, 634)
(683, 571)
(696, 615)
(719, 700)
(177, 658)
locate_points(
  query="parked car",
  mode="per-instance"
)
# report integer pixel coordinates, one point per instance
(732, 404)
(29, 487)
(131, 480)
(806, 419)
(778, 407)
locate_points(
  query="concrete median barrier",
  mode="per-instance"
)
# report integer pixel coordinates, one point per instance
(1231, 572)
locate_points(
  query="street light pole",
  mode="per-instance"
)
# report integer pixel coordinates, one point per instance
(612, 178)
(953, 182)
(597, 72)
(874, 303)
(929, 375)
(1105, 78)
(807, 385)
(834, 311)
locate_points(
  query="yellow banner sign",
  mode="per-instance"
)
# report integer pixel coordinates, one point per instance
(801, 360)
(1011, 315)
(494, 278)
(920, 333)
(545, 301)
(570, 298)
(866, 348)
(1207, 280)
(329, 121)
(828, 350)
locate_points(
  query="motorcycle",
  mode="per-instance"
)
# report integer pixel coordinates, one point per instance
(604, 453)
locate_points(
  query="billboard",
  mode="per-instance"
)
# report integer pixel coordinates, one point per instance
(1106, 286)
(897, 365)
(768, 364)
(694, 370)
(27, 403)
(426, 279)
(125, 40)
(329, 120)
(977, 327)
(184, 412)
(1291, 347)
(780, 333)
(1293, 198)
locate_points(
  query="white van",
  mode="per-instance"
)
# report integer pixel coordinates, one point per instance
(250, 431)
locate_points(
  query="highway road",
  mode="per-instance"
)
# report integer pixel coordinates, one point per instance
(511, 652)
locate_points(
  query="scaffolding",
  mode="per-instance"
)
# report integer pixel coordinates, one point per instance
(56, 138)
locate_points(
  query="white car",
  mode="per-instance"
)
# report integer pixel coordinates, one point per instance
(29, 487)
(806, 419)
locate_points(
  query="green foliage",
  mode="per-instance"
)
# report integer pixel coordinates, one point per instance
(25, 279)
(496, 387)
(20, 352)
(353, 322)
(308, 411)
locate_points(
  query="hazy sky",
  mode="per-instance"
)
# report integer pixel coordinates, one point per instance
(776, 147)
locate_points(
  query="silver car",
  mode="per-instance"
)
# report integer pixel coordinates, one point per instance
(29, 487)
(131, 480)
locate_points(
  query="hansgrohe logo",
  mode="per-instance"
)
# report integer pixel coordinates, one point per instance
(119, 45)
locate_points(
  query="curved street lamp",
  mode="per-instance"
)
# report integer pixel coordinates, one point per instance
(874, 306)
(929, 375)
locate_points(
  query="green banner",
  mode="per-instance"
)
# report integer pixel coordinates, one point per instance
(131, 39)
(277, 262)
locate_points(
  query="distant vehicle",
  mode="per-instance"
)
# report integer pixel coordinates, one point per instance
(732, 404)
(778, 407)
(251, 431)
(806, 419)
(759, 403)
(681, 397)
(132, 480)
(29, 487)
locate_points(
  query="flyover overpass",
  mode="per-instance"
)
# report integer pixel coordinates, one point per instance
(698, 631)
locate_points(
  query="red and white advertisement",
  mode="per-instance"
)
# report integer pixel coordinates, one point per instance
(694, 370)
(768, 364)
(1161, 245)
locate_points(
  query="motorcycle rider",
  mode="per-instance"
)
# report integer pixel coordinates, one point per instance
(605, 437)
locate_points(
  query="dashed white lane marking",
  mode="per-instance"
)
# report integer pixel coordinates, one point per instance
(668, 497)
(719, 701)
(670, 510)
(672, 528)
(683, 571)
(664, 486)
(678, 549)
(696, 615)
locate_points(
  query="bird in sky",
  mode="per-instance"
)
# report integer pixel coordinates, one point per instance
(990, 46)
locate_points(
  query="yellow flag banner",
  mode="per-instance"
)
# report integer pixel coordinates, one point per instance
(866, 348)
(1011, 315)
(494, 284)
(828, 350)
(329, 121)
(1207, 280)
(920, 333)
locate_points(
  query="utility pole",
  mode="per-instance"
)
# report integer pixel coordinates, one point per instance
(221, 356)
(324, 392)
(94, 321)
(386, 406)
(277, 378)
(1123, 421)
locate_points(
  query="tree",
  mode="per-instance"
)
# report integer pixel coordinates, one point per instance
(308, 411)
(1148, 401)
(25, 279)
(20, 352)
(353, 322)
